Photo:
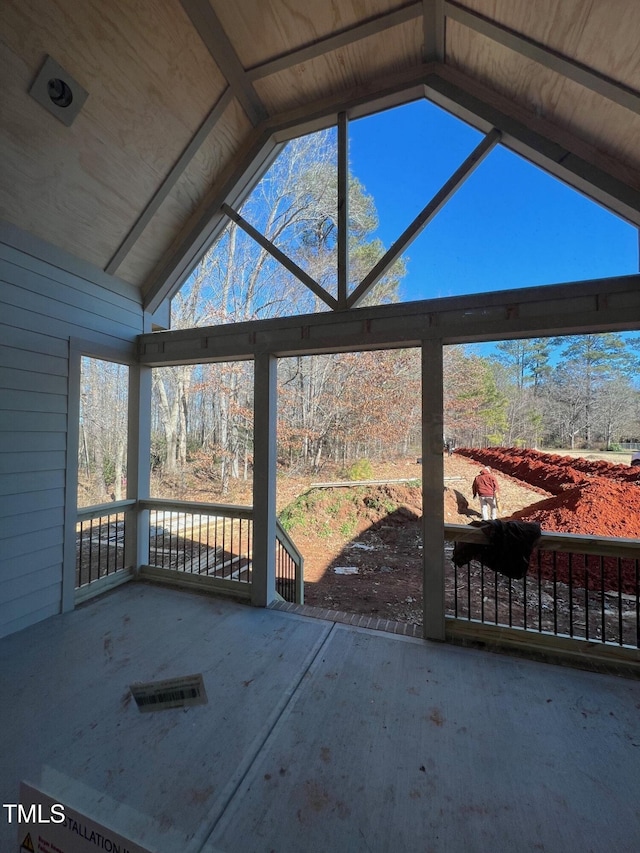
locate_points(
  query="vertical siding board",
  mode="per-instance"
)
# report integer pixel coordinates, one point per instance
(47, 299)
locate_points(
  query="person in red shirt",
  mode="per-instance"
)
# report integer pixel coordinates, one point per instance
(485, 487)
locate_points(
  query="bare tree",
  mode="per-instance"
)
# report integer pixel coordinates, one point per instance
(102, 431)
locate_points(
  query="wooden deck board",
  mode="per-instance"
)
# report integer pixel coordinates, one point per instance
(412, 746)
(315, 737)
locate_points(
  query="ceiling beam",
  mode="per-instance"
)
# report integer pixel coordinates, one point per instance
(433, 22)
(425, 216)
(337, 40)
(210, 30)
(551, 59)
(251, 163)
(169, 182)
(601, 305)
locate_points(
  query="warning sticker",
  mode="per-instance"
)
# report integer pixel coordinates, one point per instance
(27, 845)
(50, 826)
(170, 693)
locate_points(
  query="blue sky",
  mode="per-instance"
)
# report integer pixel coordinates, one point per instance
(510, 224)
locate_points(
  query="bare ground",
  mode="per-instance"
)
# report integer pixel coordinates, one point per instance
(386, 549)
(380, 548)
(376, 569)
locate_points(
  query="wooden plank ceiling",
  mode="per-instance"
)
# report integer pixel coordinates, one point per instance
(185, 96)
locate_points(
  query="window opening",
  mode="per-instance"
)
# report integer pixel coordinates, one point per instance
(349, 480)
(103, 431)
(556, 422)
(465, 216)
(512, 225)
(202, 432)
(402, 157)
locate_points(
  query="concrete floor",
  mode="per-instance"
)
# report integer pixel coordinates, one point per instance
(316, 736)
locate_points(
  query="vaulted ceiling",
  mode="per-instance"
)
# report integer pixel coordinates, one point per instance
(189, 99)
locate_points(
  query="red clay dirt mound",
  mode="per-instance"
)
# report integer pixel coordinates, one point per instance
(597, 507)
(590, 498)
(546, 470)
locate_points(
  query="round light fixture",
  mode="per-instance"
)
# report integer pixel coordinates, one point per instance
(59, 92)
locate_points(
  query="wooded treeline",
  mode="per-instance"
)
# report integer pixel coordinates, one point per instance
(574, 392)
(577, 392)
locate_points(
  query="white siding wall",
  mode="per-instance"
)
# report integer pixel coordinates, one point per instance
(46, 298)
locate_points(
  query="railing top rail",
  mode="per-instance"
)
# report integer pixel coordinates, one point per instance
(605, 546)
(287, 543)
(227, 510)
(86, 513)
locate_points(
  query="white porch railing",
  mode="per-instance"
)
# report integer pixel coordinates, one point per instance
(211, 545)
(577, 587)
(102, 558)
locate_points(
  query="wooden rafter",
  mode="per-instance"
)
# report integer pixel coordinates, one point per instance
(433, 24)
(169, 182)
(210, 30)
(576, 71)
(560, 153)
(339, 39)
(557, 151)
(343, 209)
(208, 221)
(601, 305)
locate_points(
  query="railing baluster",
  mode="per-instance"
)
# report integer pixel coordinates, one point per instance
(602, 601)
(539, 560)
(571, 595)
(510, 604)
(586, 597)
(90, 548)
(568, 583)
(555, 593)
(455, 590)
(620, 628)
(224, 550)
(100, 535)
(637, 603)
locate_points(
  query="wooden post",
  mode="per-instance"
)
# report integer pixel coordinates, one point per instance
(138, 465)
(71, 481)
(432, 491)
(263, 585)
